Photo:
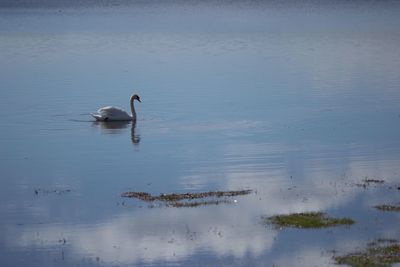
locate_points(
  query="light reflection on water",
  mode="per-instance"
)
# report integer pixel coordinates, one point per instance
(239, 97)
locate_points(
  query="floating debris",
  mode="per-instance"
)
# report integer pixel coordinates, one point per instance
(184, 200)
(385, 207)
(307, 220)
(383, 252)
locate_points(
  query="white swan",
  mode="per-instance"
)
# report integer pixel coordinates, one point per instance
(116, 114)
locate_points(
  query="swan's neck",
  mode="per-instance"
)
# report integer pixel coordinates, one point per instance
(133, 109)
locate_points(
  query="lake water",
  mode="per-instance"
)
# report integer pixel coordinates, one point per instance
(297, 101)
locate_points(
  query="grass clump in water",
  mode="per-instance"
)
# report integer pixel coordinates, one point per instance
(380, 253)
(307, 220)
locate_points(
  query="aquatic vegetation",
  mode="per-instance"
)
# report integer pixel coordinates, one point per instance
(376, 181)
(382, 252)
(367, 182)
(179, 200)
(176, 197)
(307, 220)
(197, 203)
(139, 195)
(385, 207)
(57, 191)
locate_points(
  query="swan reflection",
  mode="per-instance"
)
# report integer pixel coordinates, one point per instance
(118, 127)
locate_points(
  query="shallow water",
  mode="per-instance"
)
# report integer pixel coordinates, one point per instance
(298, 102)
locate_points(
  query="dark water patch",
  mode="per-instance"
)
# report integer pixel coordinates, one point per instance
(307, 220)
(382, 252)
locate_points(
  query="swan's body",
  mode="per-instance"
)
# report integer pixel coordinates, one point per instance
(116, 114)
(112, 114)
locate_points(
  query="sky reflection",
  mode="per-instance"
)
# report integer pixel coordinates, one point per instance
(139, 234)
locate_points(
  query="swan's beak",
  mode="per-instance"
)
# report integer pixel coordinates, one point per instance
(139, 100)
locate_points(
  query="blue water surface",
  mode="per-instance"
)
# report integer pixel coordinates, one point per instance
(297, 101)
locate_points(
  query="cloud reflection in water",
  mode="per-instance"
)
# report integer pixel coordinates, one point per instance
(138, 234)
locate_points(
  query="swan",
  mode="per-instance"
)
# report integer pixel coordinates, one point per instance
(110, 113)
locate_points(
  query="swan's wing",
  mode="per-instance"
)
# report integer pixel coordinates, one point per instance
(109, 110)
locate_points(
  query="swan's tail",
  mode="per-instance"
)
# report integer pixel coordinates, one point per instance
(98, 117)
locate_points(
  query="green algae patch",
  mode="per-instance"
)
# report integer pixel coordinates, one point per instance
(388, 207)
(378, 253)
(307, 220)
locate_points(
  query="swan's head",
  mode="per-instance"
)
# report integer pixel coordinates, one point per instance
(135, 97)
